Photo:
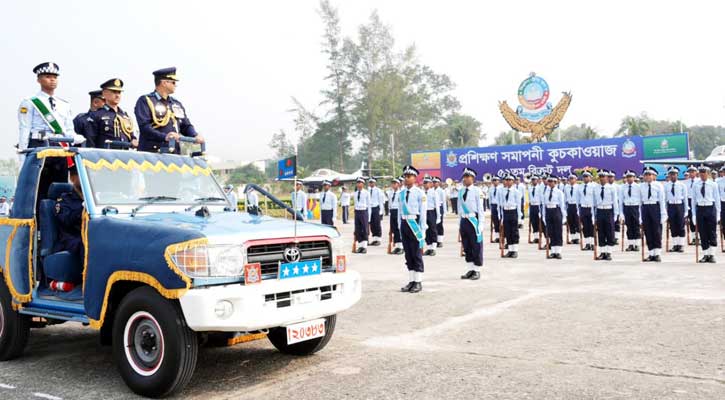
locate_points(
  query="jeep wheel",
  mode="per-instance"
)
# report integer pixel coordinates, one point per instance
(153, 349)
(278, 337)
(14, 327)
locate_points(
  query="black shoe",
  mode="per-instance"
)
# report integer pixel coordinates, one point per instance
(506, 246)
(507, 255)
(467, 275)
(575, 241)
(375, 243)
(557, 256)
(679, 248)
(601, 256)
(629, 248)
(417, 287)
(648, 259)
(692, 242)
(551, 256)
(711, 259)
(439, 245)
(704, 259)
(636, 248)
(536, 240)
(514, 254)
(656, 259)
(431, 252)
(362, 250)
(616, 241)
(608, 257)
(407, 287)
(521, 226)
(477, 275)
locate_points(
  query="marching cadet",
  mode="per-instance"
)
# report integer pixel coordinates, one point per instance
(441, 203)
(721, 191)
(493, 200)
(510, 212)
(161, 117)
(520, 186)
(393, 194)
(96, 103)
(328, 205)
(411, 220)
(377, 199)
(345, 204)
(299, 200)
(677, 208)
(586, 207)
(606, 207)
(110, 122)
(611, 177)
(571, 192)
(629, 207)
(706, 213)
(363, 211)
(654, 213)
(432, 217)
(553, 212)
(692, 178)
(535, 191)
(470, 204)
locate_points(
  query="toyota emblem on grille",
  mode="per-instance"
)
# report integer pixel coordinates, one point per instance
(292, 254)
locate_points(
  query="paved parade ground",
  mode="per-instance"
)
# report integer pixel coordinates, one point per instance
(529, 329)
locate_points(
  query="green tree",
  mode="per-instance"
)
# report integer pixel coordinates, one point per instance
(634, 126)
(281, 145)
(463, 131)
(246, 174)
(575, 132)
(704, 138)
(508, 137)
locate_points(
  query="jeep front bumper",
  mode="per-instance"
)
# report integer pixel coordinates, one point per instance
(271, 303)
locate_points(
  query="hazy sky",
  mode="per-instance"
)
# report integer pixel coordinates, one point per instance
(240, 62)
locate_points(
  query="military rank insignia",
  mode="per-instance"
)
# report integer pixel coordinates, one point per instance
(252, 273)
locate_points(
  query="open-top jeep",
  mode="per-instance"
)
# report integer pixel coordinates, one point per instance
(168, 263)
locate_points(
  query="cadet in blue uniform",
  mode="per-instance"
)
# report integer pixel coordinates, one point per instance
(328, 205)
(96, 102)
(470, 209)
(69, 213)
(677, 208)
(535, 206)
(377, 200)
(571, 193)
(432, 217)
(554, 211)
(493, 192)
(629, 205)
(161, 117)
(411, 220)
(363, 210)
(586, 206)
(690, 184)
(393, 195)
(509, 210)
(611, 176)
(440, 200)
(110, 122)
(706, 213)
(606, 205)
(654, 213)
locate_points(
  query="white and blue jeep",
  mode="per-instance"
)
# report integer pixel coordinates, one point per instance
(168, 264)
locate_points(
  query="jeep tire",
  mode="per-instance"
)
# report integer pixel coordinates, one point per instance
(153, 348)
(278, 337)
(14, 327)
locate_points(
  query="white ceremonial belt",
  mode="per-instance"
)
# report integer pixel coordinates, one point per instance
(583, 206)
(534, 204)
(704, 203)
(469, 215)
(552, 206)
(570, 203)
(361, 209)
(325, 209)
(41, 135)
(674, 202)
(509, 208)
(607, 207)
(650, 202)
(412, 216)
(631, 204)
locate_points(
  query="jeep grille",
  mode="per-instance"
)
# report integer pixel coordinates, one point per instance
(270, 255)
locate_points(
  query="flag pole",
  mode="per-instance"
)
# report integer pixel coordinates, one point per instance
(294, 197)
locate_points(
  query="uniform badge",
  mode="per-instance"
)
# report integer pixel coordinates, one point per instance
(252, 273)
(117, 83)
(423, 199)
(23, 110)
(160, 108)
(178, 111)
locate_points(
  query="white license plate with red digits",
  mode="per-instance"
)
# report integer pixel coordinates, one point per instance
(305, 331)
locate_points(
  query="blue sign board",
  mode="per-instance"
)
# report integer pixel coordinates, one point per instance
(287, 168)
(299, 269)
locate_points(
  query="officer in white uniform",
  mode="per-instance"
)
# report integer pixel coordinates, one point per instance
(442, 204)
(509, 211)
(328, 205)
(587, 191)
(377, 201)
(706, 213)
(229, 192)
(690, 181)
(433, 217)
(252, 202)
(299, 201)
(345, 204)
(494, 191)
(535, 191)
(470, 209)
(412, 223)
(606, 205)
(392, 194)
(654, 213)
(363, 211)
(629, 208)
(677, 209)
(553, 213)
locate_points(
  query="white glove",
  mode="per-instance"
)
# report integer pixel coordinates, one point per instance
(78, 139)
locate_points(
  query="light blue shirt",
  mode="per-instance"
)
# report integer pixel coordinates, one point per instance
(553, 198)
(586, 194)
(377, 198)
(629, 197)
(415, 204)
(509, 199)
(690, 183)
(493, 192)
(299, 199)
(441, 198)
(362, 201)
(605, 197)
(571, 193)
(31, 121)
(654, 192)
(328, 201)
(393, 196)
(711, 197)
(534, 193)
(721, 187)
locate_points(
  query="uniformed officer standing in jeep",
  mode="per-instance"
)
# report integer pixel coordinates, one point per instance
(161, 117)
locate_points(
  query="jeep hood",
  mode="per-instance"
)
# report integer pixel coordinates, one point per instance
(237, 228)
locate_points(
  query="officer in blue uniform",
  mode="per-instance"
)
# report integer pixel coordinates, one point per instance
(161, 117)
(509, 210)
(432, 217)
(586, 206)
(654, 213)
(470, 209)
(677, 209)
(411, 222)
(571, 193)
(691, 179)
(328, 205)
(629, 205)
(493, 192)
(69, 213)
(363, 210)
(606, 206)
(554, 212)
(706, 213)
(394, 194)
(96, 102)
(377, 201)
(535, 206)
(110, 123)
(442, 205)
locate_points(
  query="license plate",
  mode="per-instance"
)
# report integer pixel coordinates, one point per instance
(305, 331)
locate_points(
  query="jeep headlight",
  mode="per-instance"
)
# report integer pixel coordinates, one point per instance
(211, 261)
